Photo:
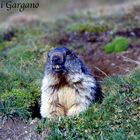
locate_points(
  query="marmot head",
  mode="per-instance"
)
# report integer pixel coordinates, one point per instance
(62, 60)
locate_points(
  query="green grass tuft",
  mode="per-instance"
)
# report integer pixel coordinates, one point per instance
(86, 27)
(19, 103)
(119, 44)
(16, 104)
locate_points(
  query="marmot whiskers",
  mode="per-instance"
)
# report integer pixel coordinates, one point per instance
(68, 86)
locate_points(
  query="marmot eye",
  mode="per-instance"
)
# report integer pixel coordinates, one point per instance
(68, 52)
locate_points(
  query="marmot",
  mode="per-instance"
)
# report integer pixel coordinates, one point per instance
(68, 87)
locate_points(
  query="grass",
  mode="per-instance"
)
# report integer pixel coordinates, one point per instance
(119, 44)
(20, 76)
(16, 104)
(116, 118)
(86, 27)
(22, 59)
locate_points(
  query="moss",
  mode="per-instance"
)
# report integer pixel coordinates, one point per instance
(109, 48)
(86, 27)
(2, 46)
(119, 44)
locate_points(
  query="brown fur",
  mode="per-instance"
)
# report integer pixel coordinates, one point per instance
(64, 97)
(69, 92)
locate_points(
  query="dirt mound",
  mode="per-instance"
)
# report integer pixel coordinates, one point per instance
(104, 65)
(90, 47)
(19, 130)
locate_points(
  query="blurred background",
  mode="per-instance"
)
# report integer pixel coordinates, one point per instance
(50, 9)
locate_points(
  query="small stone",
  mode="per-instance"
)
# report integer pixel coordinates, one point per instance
(132, 33)
(113, 64)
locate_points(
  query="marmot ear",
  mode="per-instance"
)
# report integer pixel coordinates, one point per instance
(69, 52)
(74, 54)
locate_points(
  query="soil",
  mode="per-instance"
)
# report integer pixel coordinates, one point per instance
(19, 130)
(111, 64)
(101, 64)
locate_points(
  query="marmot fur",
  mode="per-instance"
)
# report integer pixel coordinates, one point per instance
(68, 87)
